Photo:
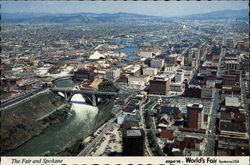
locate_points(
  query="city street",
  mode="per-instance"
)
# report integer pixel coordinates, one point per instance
(211, 130)
(244, 93)
(88, 149)
(142, 110)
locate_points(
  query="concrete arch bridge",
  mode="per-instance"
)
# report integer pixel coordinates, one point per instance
(91, 96)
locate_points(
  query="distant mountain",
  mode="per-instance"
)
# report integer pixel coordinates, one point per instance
(77, 18)
(115, 17)
(224, 14)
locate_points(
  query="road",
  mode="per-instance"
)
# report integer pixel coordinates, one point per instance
(144, 129)
(19, 99)
(221, 62)
(124, 89)
(211, 131)
(88, 149)
(150, 109)
(244, 93)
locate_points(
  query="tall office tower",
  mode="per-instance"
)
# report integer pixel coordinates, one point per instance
(195, 116)
(179, 76)
(133, 142)
(160, 85)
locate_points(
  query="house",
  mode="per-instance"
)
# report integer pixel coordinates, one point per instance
(173, 112)
(164, 122)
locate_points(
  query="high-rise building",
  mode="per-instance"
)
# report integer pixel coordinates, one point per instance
(192, 57)
(179, 76)
(231, 64)
(171, 59)
(113, 73)
(193, 91)
(157, 63)
(195, 116)
(133, 142)
(160, 85)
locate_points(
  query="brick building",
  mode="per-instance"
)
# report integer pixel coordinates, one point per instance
(160, 85)
(195, 116)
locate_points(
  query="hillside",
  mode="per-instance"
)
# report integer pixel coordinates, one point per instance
(115, 17)
(75, 18)
(21, 122)
(224, 14)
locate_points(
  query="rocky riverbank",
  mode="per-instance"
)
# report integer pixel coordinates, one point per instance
(22, 122)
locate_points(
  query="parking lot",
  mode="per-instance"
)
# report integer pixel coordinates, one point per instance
(111, 141)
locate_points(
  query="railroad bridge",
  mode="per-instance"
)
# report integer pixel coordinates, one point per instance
(92, 96)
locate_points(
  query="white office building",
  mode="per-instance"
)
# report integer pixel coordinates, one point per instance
(150, 71)
(113, 73)
(143, 78)
(146, 54)
(179, 76)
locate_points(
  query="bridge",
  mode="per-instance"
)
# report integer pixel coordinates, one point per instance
(63, 77)
(92, 96)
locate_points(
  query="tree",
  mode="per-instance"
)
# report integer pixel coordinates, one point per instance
(108, 86)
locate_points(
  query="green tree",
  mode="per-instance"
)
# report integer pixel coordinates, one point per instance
(108, 86)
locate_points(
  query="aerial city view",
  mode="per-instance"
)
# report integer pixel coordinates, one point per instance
(125, 78)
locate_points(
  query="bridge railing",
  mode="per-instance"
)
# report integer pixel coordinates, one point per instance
(84, 92)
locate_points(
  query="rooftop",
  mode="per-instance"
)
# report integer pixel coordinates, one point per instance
(194, 86)
(96, 83)
(139, 76)
(149, 69)
(168, 109)
(235, 117)
(129, 109)
(173, 55)
(232, 127)
(196, 105)
(136, 118)
(161, 78)
(125, 96)
(133, 132)
(232, 101)
(231, 62)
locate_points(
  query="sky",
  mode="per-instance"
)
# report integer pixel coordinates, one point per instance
(155, 8)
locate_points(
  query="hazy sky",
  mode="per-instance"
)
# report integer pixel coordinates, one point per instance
(162, 8)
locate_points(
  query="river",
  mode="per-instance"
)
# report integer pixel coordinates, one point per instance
(129, 49)
(64, 83)
(78, 124)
